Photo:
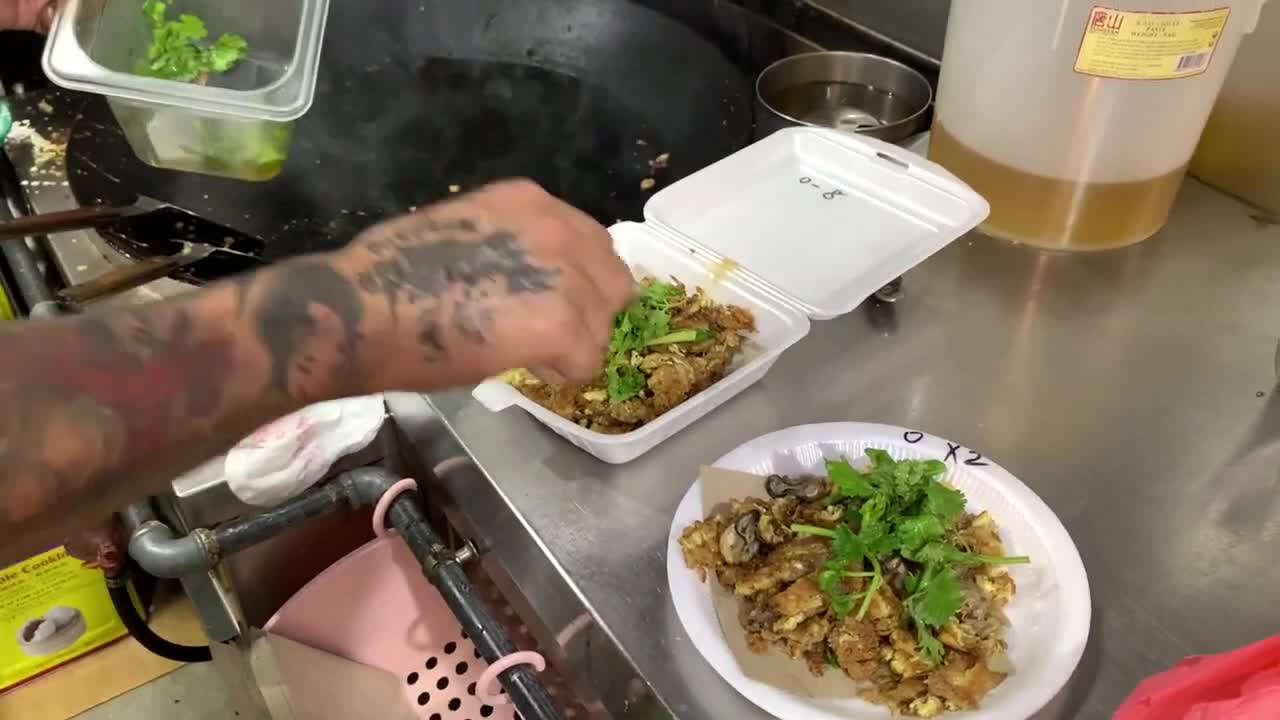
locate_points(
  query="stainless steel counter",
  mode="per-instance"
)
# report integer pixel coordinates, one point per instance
(1133, 390)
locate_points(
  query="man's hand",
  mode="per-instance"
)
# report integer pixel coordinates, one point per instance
(27, 14)
(501, 278)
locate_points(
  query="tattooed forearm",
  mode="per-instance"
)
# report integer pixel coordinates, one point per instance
(98, 410)
(93, 402)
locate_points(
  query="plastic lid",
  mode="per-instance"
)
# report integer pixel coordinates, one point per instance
(819, 217)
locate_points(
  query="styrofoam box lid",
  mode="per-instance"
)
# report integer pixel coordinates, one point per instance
(820, 218)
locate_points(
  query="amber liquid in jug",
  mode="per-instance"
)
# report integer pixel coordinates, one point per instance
(1054, 213)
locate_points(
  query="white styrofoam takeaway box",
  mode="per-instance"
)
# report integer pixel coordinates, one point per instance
(805, 224)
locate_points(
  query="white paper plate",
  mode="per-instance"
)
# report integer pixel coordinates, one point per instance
(1049, 615)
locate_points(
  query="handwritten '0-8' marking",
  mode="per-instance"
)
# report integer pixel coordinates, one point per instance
(972, 458)
(827, 195)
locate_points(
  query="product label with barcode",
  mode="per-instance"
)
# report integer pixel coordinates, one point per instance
(1132, 45)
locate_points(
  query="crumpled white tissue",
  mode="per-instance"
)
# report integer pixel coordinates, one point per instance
(288, 456)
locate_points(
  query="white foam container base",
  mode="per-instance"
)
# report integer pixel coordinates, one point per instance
(647, 252)
(804, 224)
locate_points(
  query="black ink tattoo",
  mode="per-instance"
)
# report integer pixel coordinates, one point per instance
(287, 324)
(418, 260)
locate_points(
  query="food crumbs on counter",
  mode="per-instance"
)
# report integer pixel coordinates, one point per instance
(641, 142)
(44, 107)
(47, 153)
(661, 161)
(647, 184)
(454, 188)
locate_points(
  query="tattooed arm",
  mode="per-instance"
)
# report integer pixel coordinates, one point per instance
(99, 409)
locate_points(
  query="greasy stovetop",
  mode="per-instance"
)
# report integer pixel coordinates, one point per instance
(445, 110)
(409, 109)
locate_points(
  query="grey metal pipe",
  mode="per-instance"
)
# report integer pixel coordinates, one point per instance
(158, 551)
(364, 486)
(154, 547)
(232, 537)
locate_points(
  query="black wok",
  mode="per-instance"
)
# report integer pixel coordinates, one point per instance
(416, 96)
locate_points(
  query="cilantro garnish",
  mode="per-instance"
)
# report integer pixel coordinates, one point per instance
(178, 51)
(644, 323)
(897, 508)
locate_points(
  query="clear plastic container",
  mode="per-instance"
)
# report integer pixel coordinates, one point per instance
(239, 124)
(1077, 121)
(803, 225)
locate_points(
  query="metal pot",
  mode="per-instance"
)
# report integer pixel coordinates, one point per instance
(858, 92)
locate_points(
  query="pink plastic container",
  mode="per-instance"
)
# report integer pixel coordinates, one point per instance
(375, 607)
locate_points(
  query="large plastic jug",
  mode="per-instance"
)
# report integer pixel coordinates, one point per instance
(1077, 120)
(1239, 151)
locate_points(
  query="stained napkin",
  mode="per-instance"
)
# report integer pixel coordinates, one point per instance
(284, 458)
(1242, 684)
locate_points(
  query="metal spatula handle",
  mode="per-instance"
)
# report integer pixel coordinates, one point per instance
(63, 221)
(133, 275)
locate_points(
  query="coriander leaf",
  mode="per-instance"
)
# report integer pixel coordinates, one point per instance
(190, 27)
(877, 580)
(873, 510)
(848, 547)
(931, 650)
(943, 553)
(965, 558)
(659, 294)
(910, 583)
(227, 50)
(877, 538)
(880, 460)
(847, 481)
(645, 321)
(800, 529)
(681, 336)
(931, 553)
(832, 660)
(176, 51)
(933, 469)
(944, 502)
(915, 531)
(830, 578)
(938, 596)
(153, 10)
(842, 605)
(908, 482)
(624, 380)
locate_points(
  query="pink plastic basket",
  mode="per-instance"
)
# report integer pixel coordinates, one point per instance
(375, 607)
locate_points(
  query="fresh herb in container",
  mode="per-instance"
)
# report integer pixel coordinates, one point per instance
(181, 50)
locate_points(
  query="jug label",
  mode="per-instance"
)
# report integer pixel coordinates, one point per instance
(1130, 45)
